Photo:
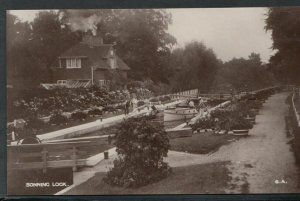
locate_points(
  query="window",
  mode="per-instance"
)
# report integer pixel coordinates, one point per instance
(104, 82)
(74, 63)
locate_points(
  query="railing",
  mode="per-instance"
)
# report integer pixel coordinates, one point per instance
(44, 155)
(216, 96)
(186, 94)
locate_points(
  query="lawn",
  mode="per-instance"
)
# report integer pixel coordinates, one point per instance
(210, 178)
(201, 143)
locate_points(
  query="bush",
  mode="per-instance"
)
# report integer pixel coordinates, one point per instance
(141, 147)
(204, 124)
(95, 111)
(153, 100)
(223, 118)
(240, 123)
(254, 104)
(109, 109)
(140, 103)
(79, 116)
(220, 114)
(58, 119)
(34, 123)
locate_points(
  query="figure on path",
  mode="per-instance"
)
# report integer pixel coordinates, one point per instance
(126, 107)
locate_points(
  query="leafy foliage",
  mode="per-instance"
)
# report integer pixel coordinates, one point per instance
(27, 42)
(34, 123)
(195, 62)
(242, 74)
(240, 123)
(95, 111)
(140, 103)
(140, 35)
(79, 116)
(141, 147)
(284, 23)
(58, 119)
(206, 123)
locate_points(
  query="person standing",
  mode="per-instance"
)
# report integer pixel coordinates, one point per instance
(127, 105)
(125, 108)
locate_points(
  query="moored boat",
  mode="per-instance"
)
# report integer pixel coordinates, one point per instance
(180, 112)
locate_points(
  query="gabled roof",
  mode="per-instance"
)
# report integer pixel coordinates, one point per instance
(121, 64)
(97, 55)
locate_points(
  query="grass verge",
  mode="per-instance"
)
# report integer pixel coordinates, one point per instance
(196, 179)
(202, 143)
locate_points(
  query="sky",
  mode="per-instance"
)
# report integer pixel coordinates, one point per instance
(230, 32)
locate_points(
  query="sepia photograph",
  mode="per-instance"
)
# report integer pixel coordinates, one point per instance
(153, 101)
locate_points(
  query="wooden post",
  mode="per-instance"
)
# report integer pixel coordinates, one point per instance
(13, 136)
(44, 156)
(74, 159)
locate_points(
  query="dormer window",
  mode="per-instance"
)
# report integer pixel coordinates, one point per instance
(73, 63)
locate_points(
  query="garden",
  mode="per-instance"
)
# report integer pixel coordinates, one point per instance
(49, 110)
(222, 126)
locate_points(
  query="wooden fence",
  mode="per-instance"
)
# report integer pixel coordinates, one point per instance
(53, 154)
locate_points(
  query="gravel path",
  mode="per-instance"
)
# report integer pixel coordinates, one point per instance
(260, 163)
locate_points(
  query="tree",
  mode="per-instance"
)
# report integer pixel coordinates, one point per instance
(194, 66)
(20, 63)
(243, 75)
(141, 147)
(33, 47)
(285, 26)
(50, 37)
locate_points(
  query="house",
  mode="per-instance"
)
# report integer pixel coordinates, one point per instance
(89, 62)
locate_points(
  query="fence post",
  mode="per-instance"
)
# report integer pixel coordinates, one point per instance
(74, 159)
(44, 156)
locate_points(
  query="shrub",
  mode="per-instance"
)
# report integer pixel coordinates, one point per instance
(109, 109)
(34, 123)
(58, 119)
(95, 111)
(141, 147)
(240, 123)
(220, 114)
(140, 103)
(153, 100)
(254, 104)
(206, 123)
(223, 118)
(79, 116)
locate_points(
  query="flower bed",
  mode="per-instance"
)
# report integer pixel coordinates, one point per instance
(237, 117)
